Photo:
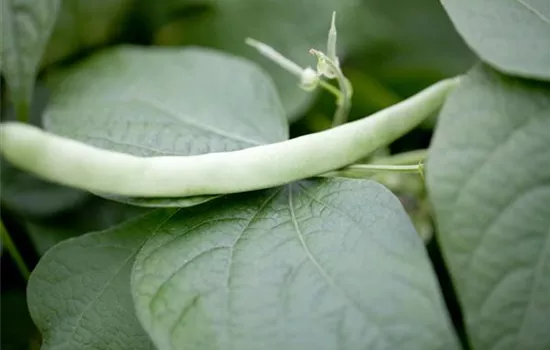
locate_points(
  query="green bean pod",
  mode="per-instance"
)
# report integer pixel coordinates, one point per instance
(76, 164)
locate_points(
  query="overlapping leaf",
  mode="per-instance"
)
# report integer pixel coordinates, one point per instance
(488, 173)
(332, 264)
(511, 35)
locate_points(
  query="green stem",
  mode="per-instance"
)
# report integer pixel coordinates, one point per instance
(366, 170)
(421, 171)
(332, 89)
(12, 249)
(395, 168)
(343, 104)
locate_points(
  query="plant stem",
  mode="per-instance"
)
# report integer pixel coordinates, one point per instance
(366, 170)
(12, 249)
(288, 65)
(331, 88)
(343, 104)
(269, 52)
(379, 167)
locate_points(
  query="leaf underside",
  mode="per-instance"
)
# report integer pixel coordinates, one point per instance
(321, 264)
(488, 174)
(324, 264)
(511, 35)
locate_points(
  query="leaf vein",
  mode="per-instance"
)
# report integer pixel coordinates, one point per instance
(118, 270)
(173, 115)
(320, 268)
(535, 11)
(537, 279)
(233, 248)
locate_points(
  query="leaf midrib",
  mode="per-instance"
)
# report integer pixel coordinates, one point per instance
(533, 10)
(350, 300)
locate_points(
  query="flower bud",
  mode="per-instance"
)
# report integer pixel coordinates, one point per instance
(309, 79)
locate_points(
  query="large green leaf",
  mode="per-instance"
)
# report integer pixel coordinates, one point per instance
(26, 26)
(511, 35)
(488, 173)
(166, 101)
(325, 264)
(83, 25)
(79, 294)
(291, 26)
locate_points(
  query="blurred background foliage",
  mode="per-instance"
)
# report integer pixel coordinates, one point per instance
(389, 49)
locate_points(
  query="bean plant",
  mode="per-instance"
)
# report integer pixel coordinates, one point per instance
(174, 204)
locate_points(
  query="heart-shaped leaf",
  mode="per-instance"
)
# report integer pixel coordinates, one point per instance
(488, 173)
(325, 264)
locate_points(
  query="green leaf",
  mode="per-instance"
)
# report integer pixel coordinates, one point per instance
(327, 264)
(511, 35)
(26, 27)
(488, 174)
(79, 294)
(166, 101)
(292, 27)
(83, 25)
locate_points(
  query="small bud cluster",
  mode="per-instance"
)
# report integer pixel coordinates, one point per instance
(328, 66)
(310, 79)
